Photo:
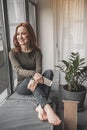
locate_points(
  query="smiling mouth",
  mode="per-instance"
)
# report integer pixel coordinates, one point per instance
(21, 40)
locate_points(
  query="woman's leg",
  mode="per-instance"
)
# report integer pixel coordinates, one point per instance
(43, 99)
(41, 96)
(52, 117)
(42, 91)
(44, 109)
(48, 74)
(38, 92)
(22, 87)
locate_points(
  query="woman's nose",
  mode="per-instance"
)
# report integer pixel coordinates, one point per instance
(20, 36)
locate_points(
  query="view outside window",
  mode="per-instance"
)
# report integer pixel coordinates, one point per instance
(4, 73)
(16, 14)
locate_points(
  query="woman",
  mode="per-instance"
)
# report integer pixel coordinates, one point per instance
(26, 58)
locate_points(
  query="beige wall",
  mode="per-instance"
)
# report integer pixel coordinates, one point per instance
(45, 32)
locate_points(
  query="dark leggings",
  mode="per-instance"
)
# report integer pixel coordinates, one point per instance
(41, 92)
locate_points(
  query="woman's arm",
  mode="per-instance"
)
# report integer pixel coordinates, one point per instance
(16, 65)
(38, 59)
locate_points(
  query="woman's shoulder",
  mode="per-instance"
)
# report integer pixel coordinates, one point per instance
(38, 51)
(12, 52)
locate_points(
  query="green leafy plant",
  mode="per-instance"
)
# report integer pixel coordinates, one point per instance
(75, 71)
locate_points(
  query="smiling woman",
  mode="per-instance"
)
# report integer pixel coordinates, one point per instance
(22, 36)
(26, 58)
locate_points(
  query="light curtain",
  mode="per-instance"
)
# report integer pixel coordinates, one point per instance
(71, 28)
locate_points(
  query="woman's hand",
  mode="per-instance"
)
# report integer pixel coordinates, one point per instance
(32, 85)
(38, 78)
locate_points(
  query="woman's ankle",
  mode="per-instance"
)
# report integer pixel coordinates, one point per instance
(47, 107)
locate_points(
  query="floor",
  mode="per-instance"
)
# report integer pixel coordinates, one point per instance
(82, 118)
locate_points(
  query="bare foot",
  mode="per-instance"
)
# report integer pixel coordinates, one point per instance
(51, 115)
(41, 113)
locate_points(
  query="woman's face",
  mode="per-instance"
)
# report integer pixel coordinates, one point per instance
(22, 35)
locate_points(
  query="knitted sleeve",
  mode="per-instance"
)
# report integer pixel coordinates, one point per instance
(17, 66)
(38, 61)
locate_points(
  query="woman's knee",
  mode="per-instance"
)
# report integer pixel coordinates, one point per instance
(22, 87)
(48, 74)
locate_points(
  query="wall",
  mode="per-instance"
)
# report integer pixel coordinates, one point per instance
(45, 32)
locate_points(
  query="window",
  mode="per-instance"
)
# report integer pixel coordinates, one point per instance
(19, 11)
(4, 65)
(12, 12)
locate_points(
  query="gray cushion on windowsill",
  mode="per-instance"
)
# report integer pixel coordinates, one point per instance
(18, 113)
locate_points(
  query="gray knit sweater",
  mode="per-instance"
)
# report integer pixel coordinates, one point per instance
(26, 64)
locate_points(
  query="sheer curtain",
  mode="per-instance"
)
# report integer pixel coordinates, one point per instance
(71, 28)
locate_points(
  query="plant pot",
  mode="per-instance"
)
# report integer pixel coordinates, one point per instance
(75, 96)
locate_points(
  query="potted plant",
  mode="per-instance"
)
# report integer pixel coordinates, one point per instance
(75, 75)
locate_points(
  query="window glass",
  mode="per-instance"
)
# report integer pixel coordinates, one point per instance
(16, 15)
(17, 12)
(4, 72)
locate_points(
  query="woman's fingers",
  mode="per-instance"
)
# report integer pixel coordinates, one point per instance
(37, 76)
(41, 80)
(32, 85)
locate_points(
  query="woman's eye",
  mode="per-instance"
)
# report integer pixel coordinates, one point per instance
(18, 34)
(24, 33)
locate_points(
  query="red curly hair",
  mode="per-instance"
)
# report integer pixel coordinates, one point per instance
(32, 43)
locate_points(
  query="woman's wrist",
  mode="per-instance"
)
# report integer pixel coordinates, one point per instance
(33, 78)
